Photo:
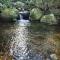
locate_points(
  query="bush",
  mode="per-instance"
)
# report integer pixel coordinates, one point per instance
(19, 5)
(1, 6)
(35, 14)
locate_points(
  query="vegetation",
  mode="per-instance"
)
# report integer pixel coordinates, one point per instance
(37, 8)
(45, 11)
(19, 5)
(9, 12)
(8, 3)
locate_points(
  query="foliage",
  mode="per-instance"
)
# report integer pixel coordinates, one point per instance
(41, 5)
(19, 4)
(2, 6)
(6, 2)
(44, 5)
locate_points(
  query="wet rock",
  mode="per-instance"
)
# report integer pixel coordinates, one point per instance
(47, 59)
(35, 14)
(53, 57)
(50, 19)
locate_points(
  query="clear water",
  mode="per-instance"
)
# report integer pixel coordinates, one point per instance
(25, 40)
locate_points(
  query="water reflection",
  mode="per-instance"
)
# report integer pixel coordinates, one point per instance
(19, 44)
(25, 40)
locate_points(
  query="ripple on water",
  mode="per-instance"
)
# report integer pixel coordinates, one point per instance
(27, 43)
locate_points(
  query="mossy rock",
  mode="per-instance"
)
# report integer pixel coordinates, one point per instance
(35, 14)
(9, 13)
(50, 19)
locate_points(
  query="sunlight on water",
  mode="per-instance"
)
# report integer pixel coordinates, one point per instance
(23, 22)
(19, 43)
(24, 40)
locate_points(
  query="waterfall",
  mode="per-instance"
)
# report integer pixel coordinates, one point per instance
(21, 17)
(24, 21)
(24, 15)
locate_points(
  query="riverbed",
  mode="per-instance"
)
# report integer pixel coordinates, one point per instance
(25, 40)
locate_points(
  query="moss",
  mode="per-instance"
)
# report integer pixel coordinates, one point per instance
(10, 13)
(35, 14)
(50, 19)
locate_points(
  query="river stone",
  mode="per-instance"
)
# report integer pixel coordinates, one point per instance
(53, 57)
(35, 14)
(50, 19)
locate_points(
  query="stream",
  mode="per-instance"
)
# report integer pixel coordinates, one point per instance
(25, 40)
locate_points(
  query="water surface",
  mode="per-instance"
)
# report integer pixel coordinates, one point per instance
(25, 40)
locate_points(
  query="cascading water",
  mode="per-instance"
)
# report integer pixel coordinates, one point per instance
(19, 48)
(24, 42)
(21, 17)
(24, 21)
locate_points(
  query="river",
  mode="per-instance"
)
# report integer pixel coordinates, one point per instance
(25, 40)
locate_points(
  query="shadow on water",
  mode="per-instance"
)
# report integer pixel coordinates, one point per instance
(25, 40)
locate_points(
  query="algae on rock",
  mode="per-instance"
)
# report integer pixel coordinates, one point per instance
(50, 19)
(35, 14)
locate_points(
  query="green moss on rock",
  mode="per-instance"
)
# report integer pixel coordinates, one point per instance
(50, 19)
(35, 14)
(9, 13)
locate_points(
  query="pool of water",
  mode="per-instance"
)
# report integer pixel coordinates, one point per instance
(25, 40)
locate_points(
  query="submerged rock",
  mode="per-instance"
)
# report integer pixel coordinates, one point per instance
(35, 14)
(53, 57)
(50, 19)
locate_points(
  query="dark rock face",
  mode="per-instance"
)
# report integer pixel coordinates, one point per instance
(25, 16)
(18, 17)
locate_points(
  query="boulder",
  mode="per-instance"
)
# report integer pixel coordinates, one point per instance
(50, 19)
(35, 14)
(53, 57)
(9, 14)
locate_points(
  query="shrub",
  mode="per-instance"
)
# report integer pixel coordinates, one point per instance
(19, 5)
